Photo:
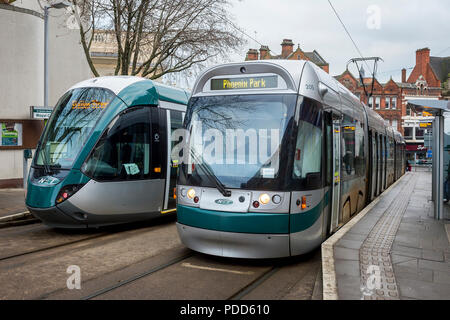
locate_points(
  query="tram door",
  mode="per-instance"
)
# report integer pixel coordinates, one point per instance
(373, 165)
(380, 165)
(336, 175)
(383, 163)
(174, 122)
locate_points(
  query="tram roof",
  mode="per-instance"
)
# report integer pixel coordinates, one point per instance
(291, 69)
(136, 90)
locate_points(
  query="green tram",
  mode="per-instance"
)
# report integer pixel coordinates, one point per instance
(104, 156)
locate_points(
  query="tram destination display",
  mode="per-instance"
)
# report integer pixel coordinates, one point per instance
(262, 82)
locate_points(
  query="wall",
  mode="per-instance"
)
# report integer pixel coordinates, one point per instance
(21, 63)
(22, 69)
(67, 62)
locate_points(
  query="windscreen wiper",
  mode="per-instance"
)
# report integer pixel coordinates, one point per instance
(47, 170)
(207, 170)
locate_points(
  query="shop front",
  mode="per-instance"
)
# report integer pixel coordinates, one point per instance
(417, 153)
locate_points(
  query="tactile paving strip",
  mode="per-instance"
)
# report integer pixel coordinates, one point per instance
(374, 254)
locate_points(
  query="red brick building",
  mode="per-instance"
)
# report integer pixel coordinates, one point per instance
(386, 98)
(390, 99)
(288, 53)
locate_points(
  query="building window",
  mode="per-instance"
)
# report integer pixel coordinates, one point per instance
(408, 111)
(394, 124)
(394, 103)
(371, 102)
(387, 102)
(377, 103)
(408, 133)
(419, 133)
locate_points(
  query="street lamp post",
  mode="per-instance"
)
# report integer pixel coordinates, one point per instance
(57, 5)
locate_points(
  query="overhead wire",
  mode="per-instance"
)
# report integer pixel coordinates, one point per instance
(442, 51)
(348, 33)
(239, 30)
(359, 52)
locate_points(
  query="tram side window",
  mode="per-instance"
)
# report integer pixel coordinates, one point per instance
(123, 151)
(348, 146)
(308, 150)
(359, 149)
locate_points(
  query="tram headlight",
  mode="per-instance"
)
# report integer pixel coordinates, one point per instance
(276, 199)
(67, 191)
(191, 193)
(264, 198)
(183, 192)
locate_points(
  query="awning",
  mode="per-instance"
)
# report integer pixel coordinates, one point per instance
(431, 106)
(416, 147)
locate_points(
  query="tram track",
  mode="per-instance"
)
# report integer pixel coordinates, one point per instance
(254, 284)
(235, 296)
(161, 270)
(138, 276)
(245, 289)
(49, 247)
(113, 231)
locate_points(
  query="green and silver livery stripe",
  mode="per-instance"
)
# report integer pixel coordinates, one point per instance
(252, 222)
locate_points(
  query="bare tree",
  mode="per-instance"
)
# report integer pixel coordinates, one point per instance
(157, 37)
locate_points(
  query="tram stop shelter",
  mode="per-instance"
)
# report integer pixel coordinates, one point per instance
(437, 109)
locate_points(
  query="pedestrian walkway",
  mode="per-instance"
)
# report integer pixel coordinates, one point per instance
(12, 201)
(394, 249)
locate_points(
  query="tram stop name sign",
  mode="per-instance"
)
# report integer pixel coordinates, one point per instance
(40, 112)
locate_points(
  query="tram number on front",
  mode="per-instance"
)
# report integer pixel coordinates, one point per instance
(309, 87)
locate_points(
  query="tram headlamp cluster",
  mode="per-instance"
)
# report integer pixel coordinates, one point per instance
(67, 191)
(265, 198)
(190, 193)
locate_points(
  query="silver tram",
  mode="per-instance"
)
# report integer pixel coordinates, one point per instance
(303, 156)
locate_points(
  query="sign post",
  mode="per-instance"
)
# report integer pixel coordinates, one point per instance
(40, 112)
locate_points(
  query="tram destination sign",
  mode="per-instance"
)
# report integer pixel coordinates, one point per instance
(242, 83)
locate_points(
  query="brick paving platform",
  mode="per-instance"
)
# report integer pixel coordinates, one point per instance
(397, 250)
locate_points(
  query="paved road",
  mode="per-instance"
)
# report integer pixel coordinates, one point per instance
(152, 256)
(12, 201)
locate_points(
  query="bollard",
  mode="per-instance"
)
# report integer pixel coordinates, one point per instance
(27, 154)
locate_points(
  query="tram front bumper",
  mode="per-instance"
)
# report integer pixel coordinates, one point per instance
(55, 217)
(234, 244)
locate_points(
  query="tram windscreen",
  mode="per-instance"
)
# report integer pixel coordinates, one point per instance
(239, 139)
(71, 123)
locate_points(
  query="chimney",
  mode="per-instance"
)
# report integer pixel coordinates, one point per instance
(287, 47)
(263, 52)
(403, 75)
(422, 60)
(252, 54)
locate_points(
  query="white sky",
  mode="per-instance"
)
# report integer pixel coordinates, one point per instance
(405, 26)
